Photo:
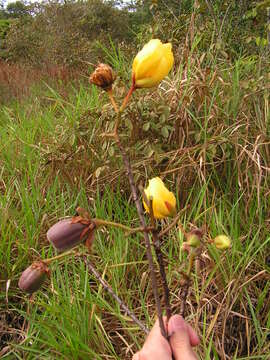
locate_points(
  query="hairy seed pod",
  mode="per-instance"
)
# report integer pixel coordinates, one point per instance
(66, 234)
(222, 242)
(103, 76)
(194, 238)
(33, 277)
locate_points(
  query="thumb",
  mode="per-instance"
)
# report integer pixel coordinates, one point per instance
(179, 339)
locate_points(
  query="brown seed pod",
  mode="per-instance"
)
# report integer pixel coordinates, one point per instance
(33, 277)
(68, 233)
(103, 76)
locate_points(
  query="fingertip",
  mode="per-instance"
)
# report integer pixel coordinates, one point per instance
(176, 323)
(193, 337)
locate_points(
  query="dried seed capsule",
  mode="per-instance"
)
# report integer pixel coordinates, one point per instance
(103, 76)
(33, 277)
(67, 233)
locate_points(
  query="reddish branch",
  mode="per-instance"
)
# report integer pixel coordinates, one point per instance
(145, 233)
(156, 242)
(107, 287)
(159, 255)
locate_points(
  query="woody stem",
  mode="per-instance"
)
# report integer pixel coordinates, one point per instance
(185, 289)
(159, 255)
(145, 233)
(107, 287)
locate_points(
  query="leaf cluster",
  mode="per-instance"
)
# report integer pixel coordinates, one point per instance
(66, 34)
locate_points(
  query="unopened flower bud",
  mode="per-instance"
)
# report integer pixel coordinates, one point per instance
(67, 233)
(194, 238)
(152, 64)
(222, 242)
(185, 247)
(164, 202)
(33, 277)
(103, 76)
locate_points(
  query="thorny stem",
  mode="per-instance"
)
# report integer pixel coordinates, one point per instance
(162, 271)
(159, 255)
(185, 287)
(145, 233)
(139, 210)
(107, 287)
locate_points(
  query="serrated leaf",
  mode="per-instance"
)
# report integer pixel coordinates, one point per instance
(165, 132)
(98, 172)
(163, 118)
(129, 124)
(111, 150)
(72, 139)
(146, 126)
(104, 145)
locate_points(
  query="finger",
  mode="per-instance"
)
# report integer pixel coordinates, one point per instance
(136, 356)
(156, 346)
(155, 336)
(180, 339)
(193, 337)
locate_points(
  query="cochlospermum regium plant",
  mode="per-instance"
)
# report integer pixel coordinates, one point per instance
(154, 202)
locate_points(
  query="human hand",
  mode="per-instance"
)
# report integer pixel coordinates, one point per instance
(182, 338)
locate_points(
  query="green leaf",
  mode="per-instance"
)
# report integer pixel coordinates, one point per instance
(165, 132)
(111, 150)
(72, 139)
(146, 126)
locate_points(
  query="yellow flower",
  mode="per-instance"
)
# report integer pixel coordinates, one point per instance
(152, 64)
(222, 242)
(164, 201)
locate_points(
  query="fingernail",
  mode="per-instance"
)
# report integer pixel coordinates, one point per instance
(177, 323)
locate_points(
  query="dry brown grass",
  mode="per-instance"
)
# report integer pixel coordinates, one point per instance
(17, 81)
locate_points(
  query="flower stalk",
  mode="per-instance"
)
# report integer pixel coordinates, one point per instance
(143, 225)
(58, 257)
(115, 106)
(159, 255)
(107, 287)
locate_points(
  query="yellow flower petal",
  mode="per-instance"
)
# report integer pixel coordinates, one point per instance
(164, 202)
(152, 64)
